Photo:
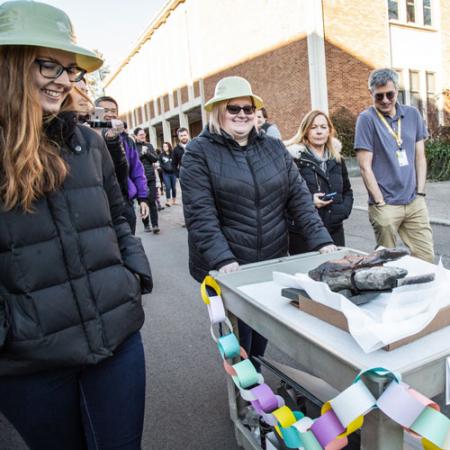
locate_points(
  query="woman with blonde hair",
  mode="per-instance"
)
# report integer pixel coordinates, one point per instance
(72, 369)
(316, 151)
(237, 186)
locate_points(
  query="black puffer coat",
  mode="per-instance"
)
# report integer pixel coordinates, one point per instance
(334, 180)
(235, 201)
(69, 294)
(148, 159)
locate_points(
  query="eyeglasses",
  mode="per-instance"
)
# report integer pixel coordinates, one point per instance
(53, 70)
(236, 109)
(380, 96)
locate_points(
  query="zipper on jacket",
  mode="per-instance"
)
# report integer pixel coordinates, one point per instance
(258, 210)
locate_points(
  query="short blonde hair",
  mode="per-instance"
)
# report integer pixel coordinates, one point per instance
(215, 116)
(301, 136)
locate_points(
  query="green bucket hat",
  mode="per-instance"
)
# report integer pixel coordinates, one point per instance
(41, 25)
(233, 87)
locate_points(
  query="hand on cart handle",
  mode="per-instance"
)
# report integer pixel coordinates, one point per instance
(328, 249)
(228, 268)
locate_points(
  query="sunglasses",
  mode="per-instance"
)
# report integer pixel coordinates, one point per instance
(236, 109)
(53, 70)
(380, 96)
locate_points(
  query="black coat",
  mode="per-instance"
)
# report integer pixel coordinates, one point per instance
(148, 159)
(335, 179)
(177, 156)
(235, 201)
(165, 162)
(69, 294)
(120, 162)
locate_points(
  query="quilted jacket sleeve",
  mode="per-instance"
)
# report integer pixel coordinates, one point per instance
(201, 216)
(302, 209)
(4, 324)
(131, 248)
(342, 210)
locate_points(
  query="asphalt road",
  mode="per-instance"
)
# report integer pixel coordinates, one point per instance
(186, 404)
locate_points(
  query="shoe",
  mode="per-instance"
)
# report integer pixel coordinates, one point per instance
(147, 228)
(155, 230)
(168, 205)
(160, 208)
(174, 202)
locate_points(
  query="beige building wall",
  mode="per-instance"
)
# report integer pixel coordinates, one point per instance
(357, 40)
(200, 38)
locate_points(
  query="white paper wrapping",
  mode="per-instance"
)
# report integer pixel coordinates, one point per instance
(389, 317)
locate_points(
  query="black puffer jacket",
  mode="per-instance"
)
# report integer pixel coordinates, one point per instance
(235, 201)
(69, 294)
(334, 180)
(119, 158)
(148, 159)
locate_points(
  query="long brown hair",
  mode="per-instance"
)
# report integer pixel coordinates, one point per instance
(301, 137)
(30, 163)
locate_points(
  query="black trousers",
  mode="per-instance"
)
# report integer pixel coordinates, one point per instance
(297, 243)
(130, 215)
(152, 195)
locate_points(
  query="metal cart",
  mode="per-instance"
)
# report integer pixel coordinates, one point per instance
(326, 351)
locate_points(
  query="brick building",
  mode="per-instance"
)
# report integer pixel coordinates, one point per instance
(297, 54)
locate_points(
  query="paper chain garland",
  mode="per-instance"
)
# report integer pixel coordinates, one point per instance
(340, 416)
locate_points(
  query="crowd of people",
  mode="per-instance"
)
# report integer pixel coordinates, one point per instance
(72, 372)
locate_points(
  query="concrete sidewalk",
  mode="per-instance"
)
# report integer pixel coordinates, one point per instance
(438, 199)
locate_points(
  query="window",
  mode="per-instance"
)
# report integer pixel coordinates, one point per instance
(414, 89)
(401, 87)
(432, 108)
(427, 12)
(393, 9)
(410, 11)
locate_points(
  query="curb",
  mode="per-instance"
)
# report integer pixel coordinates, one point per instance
(433, 221)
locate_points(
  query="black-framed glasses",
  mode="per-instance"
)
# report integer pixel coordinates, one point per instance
(236, 109)
(53, 70)
(380, 96)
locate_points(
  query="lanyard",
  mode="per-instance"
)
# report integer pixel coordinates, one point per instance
(397, 136)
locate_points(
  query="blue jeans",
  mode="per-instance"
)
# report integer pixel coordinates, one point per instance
(252, 342)
(92, 407)
(170, 183)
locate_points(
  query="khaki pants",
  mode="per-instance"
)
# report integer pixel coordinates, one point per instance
(409, 221)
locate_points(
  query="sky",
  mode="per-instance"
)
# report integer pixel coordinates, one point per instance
(111, 26)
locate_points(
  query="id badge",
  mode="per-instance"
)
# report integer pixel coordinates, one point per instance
(402, 158)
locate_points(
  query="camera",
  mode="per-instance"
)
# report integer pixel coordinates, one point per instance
(97, 119)
(329, 196)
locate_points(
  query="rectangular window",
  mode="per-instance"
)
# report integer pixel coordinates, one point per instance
(393, 9)
(414, 89)
(427, 12)
(401, 87)
(432, 107)
(410, 11)
(431, 82)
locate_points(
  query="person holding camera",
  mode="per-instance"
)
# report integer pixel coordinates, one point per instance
(148, 158)
(316, 152)
(72, 368)
(136, 182)
(83, 105)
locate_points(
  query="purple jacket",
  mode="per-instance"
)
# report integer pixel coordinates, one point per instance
(137, 182)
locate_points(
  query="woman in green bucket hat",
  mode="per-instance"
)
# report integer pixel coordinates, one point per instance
(72, 371)
(238, 187)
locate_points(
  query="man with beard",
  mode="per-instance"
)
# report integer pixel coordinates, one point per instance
(178, 151)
